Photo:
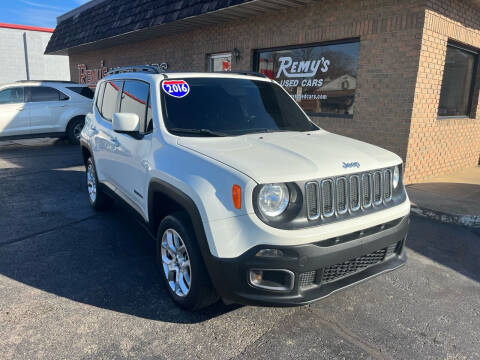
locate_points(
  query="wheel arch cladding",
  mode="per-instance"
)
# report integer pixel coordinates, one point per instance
(165, 199)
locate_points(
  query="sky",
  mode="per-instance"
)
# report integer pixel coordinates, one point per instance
(41, 13)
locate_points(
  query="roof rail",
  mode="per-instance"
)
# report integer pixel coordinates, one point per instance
(57, 81)
(153, 69)
(249, 73)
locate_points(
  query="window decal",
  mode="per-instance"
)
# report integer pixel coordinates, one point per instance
(176, 88)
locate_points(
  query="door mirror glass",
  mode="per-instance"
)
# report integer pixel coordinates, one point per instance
(126, 123)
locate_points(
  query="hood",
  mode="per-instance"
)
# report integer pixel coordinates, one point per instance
(292, 156)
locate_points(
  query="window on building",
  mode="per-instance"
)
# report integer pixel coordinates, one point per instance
(11, 96)
(44, 93)
(109, 103)
(135, 100)
(321, 78)
(458, 82)
(82, 90)
(220, 62)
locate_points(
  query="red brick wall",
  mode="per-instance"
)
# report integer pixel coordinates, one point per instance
(390, 34)
(437, 146)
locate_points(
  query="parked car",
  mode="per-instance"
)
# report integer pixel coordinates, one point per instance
(44, 108)
(248, 199)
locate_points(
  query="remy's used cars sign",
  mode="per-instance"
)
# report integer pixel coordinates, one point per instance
(322, 78)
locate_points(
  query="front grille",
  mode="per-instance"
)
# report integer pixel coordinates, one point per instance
(311, 196)
(337, 271)
(341, 195)
(354, 193)
(331, 273)
(307, 279)
(327, 198)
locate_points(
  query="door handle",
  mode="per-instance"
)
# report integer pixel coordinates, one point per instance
(115, 141)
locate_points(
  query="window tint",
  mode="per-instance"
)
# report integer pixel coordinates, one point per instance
(149, 123)
(11, 96)
(456, 94)
(83, 90)
(233, 107)
(109, 103)
(135, 99)
(100, 91)
(45, 93)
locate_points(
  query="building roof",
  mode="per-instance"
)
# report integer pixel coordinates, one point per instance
(92, 24)
(25, 27)
(114, 17)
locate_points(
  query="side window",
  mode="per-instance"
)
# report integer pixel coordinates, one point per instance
(45, 93)
(109, 103)
(149, 122)
(82, 90)
(135, 100)
(100, 91)
(11, 96)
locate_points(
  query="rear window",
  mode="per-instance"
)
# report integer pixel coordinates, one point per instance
(83, 90)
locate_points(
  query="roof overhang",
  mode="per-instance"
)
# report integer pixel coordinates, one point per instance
(232, 13)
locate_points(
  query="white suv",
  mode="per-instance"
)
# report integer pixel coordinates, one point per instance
(248, 200)
(43, 108)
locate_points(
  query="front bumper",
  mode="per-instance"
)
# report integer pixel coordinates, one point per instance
(330, 265)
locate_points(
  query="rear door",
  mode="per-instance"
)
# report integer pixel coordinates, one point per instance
(14, 117)
(130, 156)
(46, 106)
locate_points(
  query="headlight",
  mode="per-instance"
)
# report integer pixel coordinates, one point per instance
(396, 177)
(273, 199)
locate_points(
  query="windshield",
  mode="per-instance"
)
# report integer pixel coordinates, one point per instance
(229, 107)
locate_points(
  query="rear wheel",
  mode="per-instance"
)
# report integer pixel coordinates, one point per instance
(181, 264)
(74, 129)
(97, 198)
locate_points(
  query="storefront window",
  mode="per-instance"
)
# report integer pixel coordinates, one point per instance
(220, 62)
(457, 90)
(321, 78)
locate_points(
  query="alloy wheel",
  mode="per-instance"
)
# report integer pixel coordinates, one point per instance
(91, 183)
(176, 263)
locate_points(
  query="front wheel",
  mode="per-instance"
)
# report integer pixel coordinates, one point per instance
(181, 264)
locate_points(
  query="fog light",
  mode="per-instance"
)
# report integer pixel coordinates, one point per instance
(270, 253)
(279, 280)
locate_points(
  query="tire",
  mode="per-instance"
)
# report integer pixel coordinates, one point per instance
(74, 129)
(191, 289)
(96, 197)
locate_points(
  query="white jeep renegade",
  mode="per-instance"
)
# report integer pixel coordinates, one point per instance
(248, 200)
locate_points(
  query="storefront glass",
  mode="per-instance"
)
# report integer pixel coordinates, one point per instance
(321, 78)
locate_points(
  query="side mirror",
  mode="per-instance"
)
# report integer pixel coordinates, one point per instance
(127, 123)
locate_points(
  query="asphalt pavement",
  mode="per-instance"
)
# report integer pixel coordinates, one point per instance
(76, 284)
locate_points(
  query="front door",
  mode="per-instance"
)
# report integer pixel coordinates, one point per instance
(130, 158)
(14, 116)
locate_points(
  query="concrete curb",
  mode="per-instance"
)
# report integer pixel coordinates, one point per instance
(472, 221)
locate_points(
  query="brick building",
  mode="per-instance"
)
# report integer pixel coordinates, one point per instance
(401, 74)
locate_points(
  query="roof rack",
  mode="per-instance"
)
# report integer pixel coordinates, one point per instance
(249, 73)
(153, 69)
(57, 81)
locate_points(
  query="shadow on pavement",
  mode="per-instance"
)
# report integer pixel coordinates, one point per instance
(441, 243)
(52, 241)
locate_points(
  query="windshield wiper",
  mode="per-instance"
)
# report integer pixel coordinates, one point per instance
(206, 132)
